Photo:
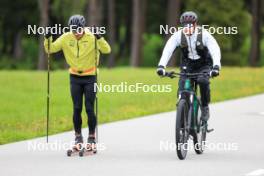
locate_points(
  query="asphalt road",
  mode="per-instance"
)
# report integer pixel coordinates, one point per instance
(145, 146)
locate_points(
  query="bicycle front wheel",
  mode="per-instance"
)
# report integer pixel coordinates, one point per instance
(181, 131)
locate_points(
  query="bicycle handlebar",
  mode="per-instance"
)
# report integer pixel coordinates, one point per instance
(173, 74)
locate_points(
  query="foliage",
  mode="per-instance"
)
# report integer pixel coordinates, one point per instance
(228, 13)
(222, 13)
(152, 49)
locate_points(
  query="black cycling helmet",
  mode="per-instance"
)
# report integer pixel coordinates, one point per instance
(188, 17)
(76, 21)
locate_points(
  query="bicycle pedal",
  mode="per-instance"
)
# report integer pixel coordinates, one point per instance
(210, 130)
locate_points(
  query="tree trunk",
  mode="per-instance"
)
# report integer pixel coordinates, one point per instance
(17, 53)
(173, 16)
(94, 15)
(5, 41)
(125, 43)
(254, 56)
(44, 19)
(138, 26)
(112, 32)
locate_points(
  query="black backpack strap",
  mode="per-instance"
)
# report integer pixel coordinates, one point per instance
(184, 50)
(201, 49)
(199, 40)
(183, 40)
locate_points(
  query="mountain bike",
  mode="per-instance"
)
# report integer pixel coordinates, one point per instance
(189, 123)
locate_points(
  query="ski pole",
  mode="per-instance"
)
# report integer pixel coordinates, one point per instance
(48, 90)
(96, 98)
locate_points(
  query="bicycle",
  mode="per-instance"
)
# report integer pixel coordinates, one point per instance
(188, 116)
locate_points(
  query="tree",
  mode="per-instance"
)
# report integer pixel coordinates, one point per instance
(254, 55)
(12, 25)
(138, 27)
(112, 31)
(44, 20)
(173, 16)
(123, 28)
(94, 12)
(18, 52)
(223, 14)
(61, 10)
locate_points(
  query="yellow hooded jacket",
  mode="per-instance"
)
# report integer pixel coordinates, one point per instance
(79, 54)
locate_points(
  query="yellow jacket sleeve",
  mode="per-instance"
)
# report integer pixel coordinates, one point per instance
(54, 46)
(103, 46)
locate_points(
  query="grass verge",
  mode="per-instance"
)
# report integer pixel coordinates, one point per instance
(23, 98)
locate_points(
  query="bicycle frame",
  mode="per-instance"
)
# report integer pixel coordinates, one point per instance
(190, 94)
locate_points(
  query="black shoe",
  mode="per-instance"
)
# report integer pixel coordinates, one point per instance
(91, 140)
(78, 139)
(91, 144)
(205, 113)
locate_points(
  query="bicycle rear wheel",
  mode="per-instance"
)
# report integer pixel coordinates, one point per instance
(181, 131)
(199, 137)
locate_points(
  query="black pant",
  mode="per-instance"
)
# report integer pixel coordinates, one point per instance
(83, 86)
(203, 82)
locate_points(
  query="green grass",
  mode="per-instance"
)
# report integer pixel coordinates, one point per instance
(23, 98)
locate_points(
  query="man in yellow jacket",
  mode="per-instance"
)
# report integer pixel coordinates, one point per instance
(79, 49)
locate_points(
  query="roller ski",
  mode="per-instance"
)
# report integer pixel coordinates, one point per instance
(89, 148)
(77, 147)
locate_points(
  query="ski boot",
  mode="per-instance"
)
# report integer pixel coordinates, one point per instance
(78, 145)
(90, 147)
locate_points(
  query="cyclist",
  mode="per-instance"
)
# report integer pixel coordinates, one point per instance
(200, 53)
(78, 47)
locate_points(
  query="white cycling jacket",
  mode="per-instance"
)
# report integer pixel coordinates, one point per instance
(175, 41)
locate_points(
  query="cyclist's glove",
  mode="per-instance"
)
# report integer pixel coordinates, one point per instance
(98, 36)
(215, 71)
(161, 70)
